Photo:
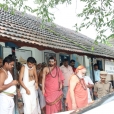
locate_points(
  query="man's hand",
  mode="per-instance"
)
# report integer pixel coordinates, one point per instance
(88, 86)
(43, 91)
(27, 91)
(36, 86)
(14, 82)
(19, 94)
(74, 106)
(61, 85)
(95, 93)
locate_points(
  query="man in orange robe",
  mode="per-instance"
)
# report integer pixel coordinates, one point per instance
(51, 87)
(77, 96)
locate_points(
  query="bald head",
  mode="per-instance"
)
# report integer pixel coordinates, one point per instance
(81, 71)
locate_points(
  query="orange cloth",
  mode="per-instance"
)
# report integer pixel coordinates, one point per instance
(53, 95)
(81, 96)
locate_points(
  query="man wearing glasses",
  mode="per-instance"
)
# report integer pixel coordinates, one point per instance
(103, 87)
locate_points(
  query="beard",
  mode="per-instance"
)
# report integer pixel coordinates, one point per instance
(80, 76)
(51, 65)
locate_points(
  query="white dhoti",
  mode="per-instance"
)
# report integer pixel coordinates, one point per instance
(6, 104)
(38, 105)
(30, 101)
(41, 99)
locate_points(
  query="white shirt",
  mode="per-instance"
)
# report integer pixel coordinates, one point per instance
(88, 81)
(67, 72)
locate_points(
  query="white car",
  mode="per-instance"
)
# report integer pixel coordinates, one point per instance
(104, 105)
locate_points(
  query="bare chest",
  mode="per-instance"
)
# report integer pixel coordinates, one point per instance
(31, 75)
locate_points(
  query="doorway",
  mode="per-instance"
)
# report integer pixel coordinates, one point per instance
(62, 57)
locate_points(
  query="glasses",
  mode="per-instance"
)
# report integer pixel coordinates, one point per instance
(83, 72)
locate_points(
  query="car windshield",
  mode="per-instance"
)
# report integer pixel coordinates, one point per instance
(104, 100)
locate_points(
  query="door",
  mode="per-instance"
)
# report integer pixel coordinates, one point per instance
(62, 57)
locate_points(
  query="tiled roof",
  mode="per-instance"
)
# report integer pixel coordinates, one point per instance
(26, 29)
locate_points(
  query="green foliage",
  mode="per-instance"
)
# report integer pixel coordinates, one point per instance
(41, 8)
(99, 14)
(96, 13)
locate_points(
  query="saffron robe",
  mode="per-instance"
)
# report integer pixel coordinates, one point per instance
(81, 96)
(53, 94)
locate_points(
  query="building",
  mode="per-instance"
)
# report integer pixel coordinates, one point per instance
(25, 32)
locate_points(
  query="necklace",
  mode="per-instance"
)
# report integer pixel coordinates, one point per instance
(5, 71)
(83, 84)
(51, 74)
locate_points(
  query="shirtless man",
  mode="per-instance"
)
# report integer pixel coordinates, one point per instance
(52, 86)
(40, 94)
(38, 67)
(40, 74)
(29, 83)
(7, 87)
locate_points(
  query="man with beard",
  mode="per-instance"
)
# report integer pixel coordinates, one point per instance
(77, 96)
(29, 82)
(51, 87)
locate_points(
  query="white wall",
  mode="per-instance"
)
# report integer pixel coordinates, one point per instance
(39, 55)
(35, 53)
(2, 43)
(87, 65)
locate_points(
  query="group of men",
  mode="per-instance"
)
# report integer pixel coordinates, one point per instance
(53, 82)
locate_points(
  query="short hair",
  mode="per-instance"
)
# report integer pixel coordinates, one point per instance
(95, 65)
(61, 64)
(10, 55)
(52, 58)
(8, 60)
(65, 60)
(18, 63)
(43, 63)
(31, 60)
(72, 61)
(35, 61)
